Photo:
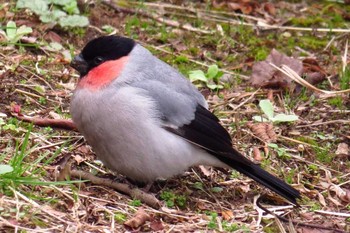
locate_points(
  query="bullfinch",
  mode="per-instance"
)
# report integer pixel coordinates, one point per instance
(146, 121)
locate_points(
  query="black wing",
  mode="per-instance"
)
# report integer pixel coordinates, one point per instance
(206, 132)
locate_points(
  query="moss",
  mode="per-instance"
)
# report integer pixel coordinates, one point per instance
(313, 43)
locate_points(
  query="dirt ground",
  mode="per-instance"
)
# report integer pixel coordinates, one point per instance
(311, 154)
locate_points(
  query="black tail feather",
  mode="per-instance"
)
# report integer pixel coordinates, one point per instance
(261, 176)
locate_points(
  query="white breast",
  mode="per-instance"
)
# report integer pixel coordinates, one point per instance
(124, 129)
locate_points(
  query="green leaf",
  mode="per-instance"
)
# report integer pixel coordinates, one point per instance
(214, 86)
(71, 8)
(39, 7)
(216, 189)
(197, 75)
(198, 185)
(267, 107)
(55, 46)
(5, 168)
(284, 118)
(273, 145)
(73, 21)
(23, 30)
(212, 71)
(108, 28)
(218, 76)
(52, 16)
(260, 119)
(62, 2)
(11, 29)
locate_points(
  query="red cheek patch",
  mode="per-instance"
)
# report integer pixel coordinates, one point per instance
(103, 74)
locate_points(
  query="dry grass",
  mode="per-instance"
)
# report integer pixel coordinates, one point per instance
(40, 82)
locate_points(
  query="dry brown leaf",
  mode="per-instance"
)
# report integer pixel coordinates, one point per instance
(53, 37)
(321, 199)
(341, 193)
(269, 8)
(264, 75)
(346, 196)
(343, 149)
(205, 170)
(140, 218)
(313, 230)
(263, 131)
(313, 72)
(227, 215)
(156, 225)
(256, 154)
(78, 159)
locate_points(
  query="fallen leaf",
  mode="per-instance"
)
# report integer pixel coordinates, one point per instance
(313, 230)
(343, 149)
(205, 170)
(227, 215)
(53, 37)
(156, 225)
(264, 75)
(269, 8)
(78, 159)
(54, 115)
(321, 199)
(263, 131)
(314, 74)
(140, 218)
(256, 154)
(15, 108)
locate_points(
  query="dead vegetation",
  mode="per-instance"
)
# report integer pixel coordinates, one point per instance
(245, 39)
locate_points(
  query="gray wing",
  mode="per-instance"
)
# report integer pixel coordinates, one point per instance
(177, 102)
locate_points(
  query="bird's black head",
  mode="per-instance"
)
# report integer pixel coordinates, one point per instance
(101, 49)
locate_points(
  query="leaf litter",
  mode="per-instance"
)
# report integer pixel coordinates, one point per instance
(96, 208)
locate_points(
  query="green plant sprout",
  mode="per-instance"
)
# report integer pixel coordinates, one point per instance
(210, 79)
(62, 12)
(18, 172)
(13, 33)
(268, 109)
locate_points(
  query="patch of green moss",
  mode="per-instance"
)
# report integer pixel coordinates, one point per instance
(313, 43)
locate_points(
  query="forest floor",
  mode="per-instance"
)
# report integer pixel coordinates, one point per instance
(307, 146)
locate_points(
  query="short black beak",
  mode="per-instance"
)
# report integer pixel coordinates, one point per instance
(80, 65)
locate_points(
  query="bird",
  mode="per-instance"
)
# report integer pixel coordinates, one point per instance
(145, 120)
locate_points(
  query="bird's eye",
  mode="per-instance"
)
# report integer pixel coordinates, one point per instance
(98, 60)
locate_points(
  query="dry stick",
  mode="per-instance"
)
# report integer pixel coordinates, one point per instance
(325, 123)
(261, 23)
(123, 188)
(283, 219)
(295, 77)
(46, 122)
(156, 17)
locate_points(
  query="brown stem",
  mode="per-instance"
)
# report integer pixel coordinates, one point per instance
(46, 122)
(123, 188)
(308, 225)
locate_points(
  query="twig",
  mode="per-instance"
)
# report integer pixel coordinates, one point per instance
(5, 222)
(213, 15)
(156, 17)
(123, 188)
(295, 77)
(333, 213)
(246, 100)
(344, 58)
(46, 122)
(325, 123)
(283, 219)
(33, 203)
